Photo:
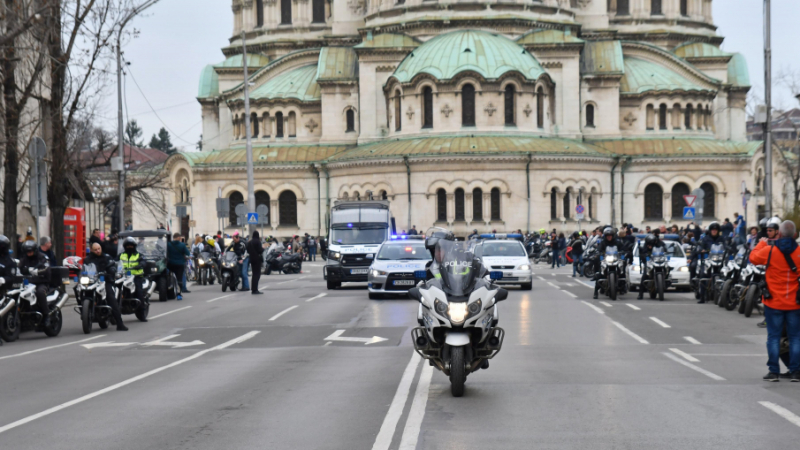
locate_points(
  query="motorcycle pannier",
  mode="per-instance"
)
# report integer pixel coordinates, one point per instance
(59, 276)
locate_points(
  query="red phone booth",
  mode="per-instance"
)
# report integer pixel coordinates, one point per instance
(75, 232)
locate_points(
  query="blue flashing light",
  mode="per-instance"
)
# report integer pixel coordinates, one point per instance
(349, 225)
(25, 282)
(75, 279)
(102, 278)
(399, 236)
(496, 275)
(420, 274)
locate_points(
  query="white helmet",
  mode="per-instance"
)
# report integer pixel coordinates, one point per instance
(774, 223)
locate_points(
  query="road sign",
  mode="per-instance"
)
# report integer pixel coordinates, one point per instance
(223, 207)
(252, 218)
(579, 216)
(263, 214)
(689, 199)
(192, 224)
(579, 209)
(180, 211)
(689, 213)
(698, 205)
(241, 214)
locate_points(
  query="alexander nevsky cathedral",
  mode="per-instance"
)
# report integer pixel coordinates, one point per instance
(499, 114)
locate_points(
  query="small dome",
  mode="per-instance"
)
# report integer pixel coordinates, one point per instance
(299, 83)
(488, 54)
(209, 83)
(738, 75)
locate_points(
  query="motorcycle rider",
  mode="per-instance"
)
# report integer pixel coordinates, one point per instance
(237, 246)
(104, 263)
(762, 229)
(34, 264)
(650, 242)
(609, 240)
(134, 262)
(712, 237)
(8, 268)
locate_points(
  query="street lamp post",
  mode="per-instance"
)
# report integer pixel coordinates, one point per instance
(768, 100)
(251, 196)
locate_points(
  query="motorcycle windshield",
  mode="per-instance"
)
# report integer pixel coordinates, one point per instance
(90, 270)
(612, 251)
(658, 251)
(717, 249)
(454, 266)
(229, 257)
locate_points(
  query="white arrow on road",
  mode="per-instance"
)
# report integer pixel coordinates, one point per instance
(163, 342)
(107, 344)
(337, 336)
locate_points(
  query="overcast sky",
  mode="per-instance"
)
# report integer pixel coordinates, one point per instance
(179, 37)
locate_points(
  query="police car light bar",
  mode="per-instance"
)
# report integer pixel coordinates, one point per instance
(398, 237)
(501, 236)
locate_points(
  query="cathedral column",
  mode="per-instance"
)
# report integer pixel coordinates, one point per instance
(248, 21)
(451, 208)
(487, 207)
(666, 208)
(468, 207)
(237, 18)
(274, 220)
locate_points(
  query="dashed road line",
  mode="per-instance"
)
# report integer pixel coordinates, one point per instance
(570, 294)
(606, 304)
(386, 433)
(417, 411)
(50, 348)
(598, 310)
(633, 307)
(585, 284)
(317, 296)
(630, 333)
(219, 298)
(711, 375)
(692, 340)
(660, 322)
(551, 284)
(276, 316)
(783, 412)
(169, 312)
(541, 278)
(684, 355)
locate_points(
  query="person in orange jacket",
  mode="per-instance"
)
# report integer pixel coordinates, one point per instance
(782, 306)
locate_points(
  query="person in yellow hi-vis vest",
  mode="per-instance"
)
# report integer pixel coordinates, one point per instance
(134, 262)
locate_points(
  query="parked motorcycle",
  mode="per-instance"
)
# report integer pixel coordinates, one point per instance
(229, 271)
(545, 254)
(729, 287)
(711, 263)
(756, 288)
(612, 271)
(589, 260)
(90, 294)
(283, 260)
(458, 313)
(128, 303)
(21, 313)
(657, 269)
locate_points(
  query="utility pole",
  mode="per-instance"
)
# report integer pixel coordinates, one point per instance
(768, 100)
(251, 195)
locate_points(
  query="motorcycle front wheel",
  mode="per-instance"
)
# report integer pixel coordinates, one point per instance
(725, 296)
(612, 286)
(753, 294)
(225, 283)
(142, 313)
(10, 326)
(660, 286)
(458, 371)
(86, 316)
(56, 321)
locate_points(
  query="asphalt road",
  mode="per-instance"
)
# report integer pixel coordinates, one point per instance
(279, 371)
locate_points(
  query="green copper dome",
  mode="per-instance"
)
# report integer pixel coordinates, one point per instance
(488, 54)
(299, 83)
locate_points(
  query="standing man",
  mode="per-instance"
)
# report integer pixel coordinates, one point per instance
(111, 245)
(177, 252)
(256, 251)
(577, 254)
(312, 248)
(413, 231)
(781, 305)
(95, 238)
(46, 247)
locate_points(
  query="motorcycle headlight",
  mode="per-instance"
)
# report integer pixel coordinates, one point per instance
(610, 259)
(457, 312)
(636, 269)
(85, 280)
(660, 259)
(683, 269)
(716, 258)
(201, 262)
(440, 306)
(525, 267)
(474, 307)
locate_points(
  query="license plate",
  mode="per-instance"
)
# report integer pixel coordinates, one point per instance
(403, 282)
(508, 274)
(358, 271)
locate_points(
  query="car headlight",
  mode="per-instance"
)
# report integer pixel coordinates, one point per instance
(683, 269)
(336, 256)
(376, 272)
(457, 312)
(85, 280)
(525, 267)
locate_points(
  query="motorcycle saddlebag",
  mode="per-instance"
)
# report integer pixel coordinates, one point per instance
(59, 276)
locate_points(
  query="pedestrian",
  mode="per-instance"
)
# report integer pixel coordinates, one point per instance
(95, 238)
(562, 249)
(413, 231)
(255, 250)
(577, 254)
(18, 249)
(161, 226)
(177, 252)
(752, 238)
(554, 251)
(647, 229)
(46, 248)
(726, 228)
(312, 248)
(111, 245)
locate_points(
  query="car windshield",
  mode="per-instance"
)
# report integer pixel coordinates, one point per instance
(405, 250)
(455, 265)
(671, 249)
(502, 249)
(352, 236)
(152, 248)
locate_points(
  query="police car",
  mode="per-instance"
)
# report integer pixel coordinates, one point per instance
(505, 253)
(392, 270)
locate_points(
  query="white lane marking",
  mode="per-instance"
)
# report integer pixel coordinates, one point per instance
(385, 435)
(630, 333)
(660, 322)
(606, 304)
(327, 344)
(711, 375)
(585, 284)
(294, 279)
(633, 307)
(50, 348)
(417, 411)
(114, 387)
(219, 298)
(553, 274)
(551, 284)
(760, 355)
(783, 412)
(593, 307)
(276, 316)
(692, 340)
(107, 344)
(541, 278)
(337, 336)
(169, 312)
(570, 294)
(165, 342)
(684, 355)
(316, 297)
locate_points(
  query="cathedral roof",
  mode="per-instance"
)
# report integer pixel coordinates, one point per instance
(546, 37)
(738, 75)
(337, 64)
(448, 54)
(676, 147)
(272, 154)
(209, 83)
(389, 40)
(642, 76)
(299, 83)
(602, 58)
(254, 61)
(699, 50)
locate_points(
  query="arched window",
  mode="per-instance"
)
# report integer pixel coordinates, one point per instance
(590, 116)
(468, 105)
(441, 206)
(254, 125)
(591, 205)
(287, 207)
(650, 117)
(477, 204)
(495, 200)
(622, 7)
(540, 107)
(398, 112)
(262, 198)
(566, 200)
(286, 12)
(459, 204)
(279, 125)
(318, 11)
(684, 8)
(662, 117)
(357, 195)
(267, 128)
(709, 119)
(350, 117)
(384, 195)
(687, 117)
(236, 198)
(709, 200)
(553, 204)
(508, 103)
(427, 108)
(655, 7)
(653, 202)
(678, 191)
(292, 125)
(259, 13)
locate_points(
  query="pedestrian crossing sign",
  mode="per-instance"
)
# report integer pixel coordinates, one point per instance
(252, 218)
(688, 213)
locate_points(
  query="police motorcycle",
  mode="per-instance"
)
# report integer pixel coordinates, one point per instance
(458, 315)
(90, 294)
(753, 288)
(228, 271)
(657, 270)
(728, 286)
(126, 292)
(18, 307)
(711, 270)
(612, 273)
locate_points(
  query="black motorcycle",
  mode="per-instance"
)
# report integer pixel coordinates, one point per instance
(728, 285)
(589, 260)
(755, 287)
(657, 269)
(704, 285)
(206, 268)
(229, 271)
(283, 260)
(612, 271)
